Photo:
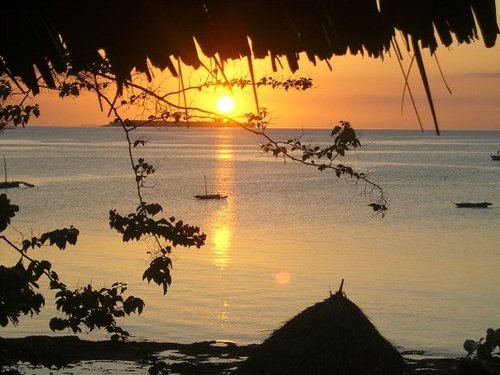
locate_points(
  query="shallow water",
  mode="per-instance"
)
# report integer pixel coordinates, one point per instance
(426, 274)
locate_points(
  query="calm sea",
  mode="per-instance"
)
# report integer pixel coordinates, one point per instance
(427, 275)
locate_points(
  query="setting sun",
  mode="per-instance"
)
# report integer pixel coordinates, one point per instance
(225, 104)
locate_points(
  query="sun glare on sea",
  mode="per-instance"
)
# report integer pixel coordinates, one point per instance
(225, 104)
(283, 277)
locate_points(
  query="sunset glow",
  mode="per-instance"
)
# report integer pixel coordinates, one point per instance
(366, 92)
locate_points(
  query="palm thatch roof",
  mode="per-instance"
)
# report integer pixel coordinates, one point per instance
(52, 36)
(330, 337)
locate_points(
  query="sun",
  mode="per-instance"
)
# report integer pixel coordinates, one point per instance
(225, 104)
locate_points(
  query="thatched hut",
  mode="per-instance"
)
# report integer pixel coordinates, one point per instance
(330, 337)
(44, 38)
(54, 36)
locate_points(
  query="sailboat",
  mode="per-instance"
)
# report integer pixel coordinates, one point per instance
(209, 196)
(473, 204)
(11, 184)
(495, 157)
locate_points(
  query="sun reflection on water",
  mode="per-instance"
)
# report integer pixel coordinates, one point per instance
(221, 242)
(224, 152)
(222, 221)
(223, 315)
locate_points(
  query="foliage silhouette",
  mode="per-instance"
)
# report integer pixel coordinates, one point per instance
(483, 356)
(14, 114)
(84, 308)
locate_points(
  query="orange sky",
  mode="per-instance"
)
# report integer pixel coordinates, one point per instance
(365, 91)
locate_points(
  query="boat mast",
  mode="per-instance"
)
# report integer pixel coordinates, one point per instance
(5, 168)
(206, 191)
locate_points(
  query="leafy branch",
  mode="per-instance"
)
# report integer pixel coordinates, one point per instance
(345, 137)
(299, 84)
(166, 233)
(322, 158)
(16, 114)
(483, 354)
(83, 307)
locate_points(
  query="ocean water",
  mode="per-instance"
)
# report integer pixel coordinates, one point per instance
(426, 274)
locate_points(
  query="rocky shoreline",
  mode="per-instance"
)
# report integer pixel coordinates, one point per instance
(207, 357)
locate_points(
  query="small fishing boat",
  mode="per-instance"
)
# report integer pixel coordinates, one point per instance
(209, 196)
(11, 184)
(495, 157)
(473, 205)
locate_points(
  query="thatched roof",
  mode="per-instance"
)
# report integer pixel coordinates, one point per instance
(330, 337)
(53, 35)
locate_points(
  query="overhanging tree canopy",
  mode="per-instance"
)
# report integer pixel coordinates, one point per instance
(56, 36)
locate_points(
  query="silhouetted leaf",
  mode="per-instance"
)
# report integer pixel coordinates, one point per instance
(7, 211)
(335, 130)
(133, 304)
(139, 142)
(159, 272)
(152, 208)
(58, 324)
(378, 207)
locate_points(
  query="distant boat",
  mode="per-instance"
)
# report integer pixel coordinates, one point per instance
(209, 196)
(495, 157)
(11, 184)
(473, 205)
